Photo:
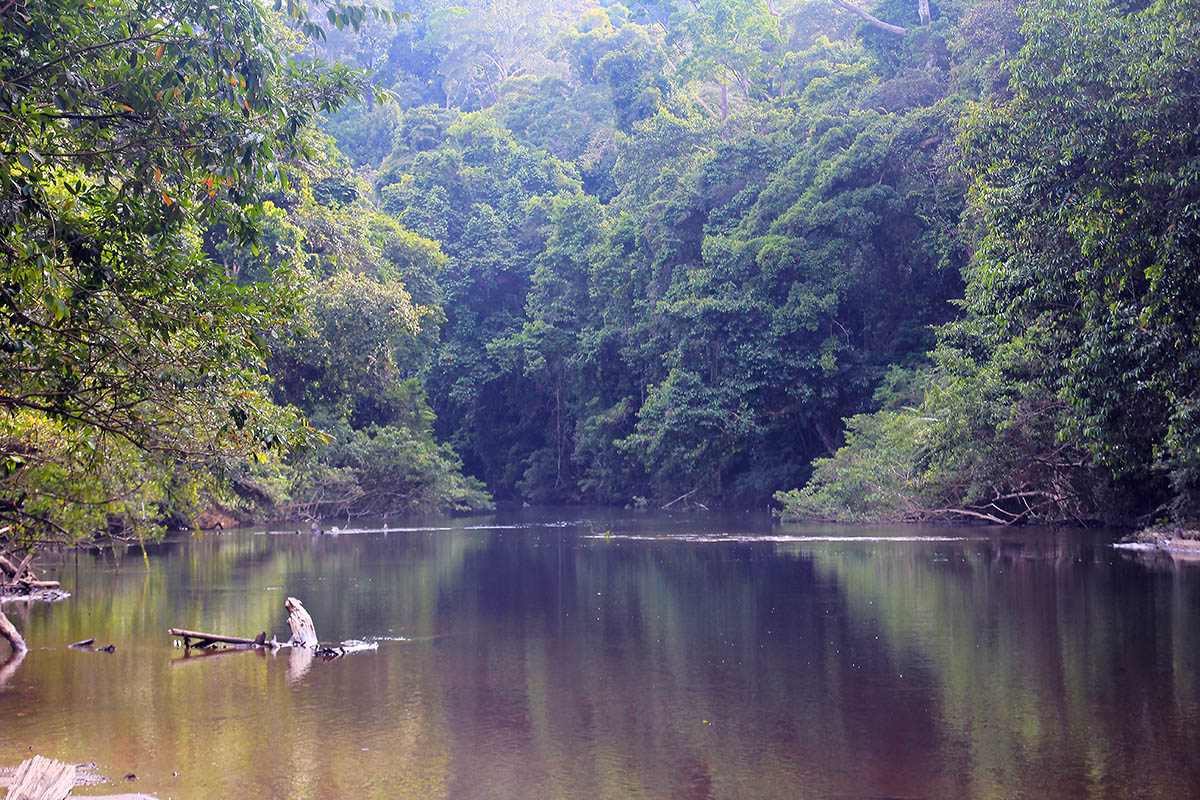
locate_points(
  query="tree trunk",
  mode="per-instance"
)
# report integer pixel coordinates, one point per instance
(11, 634)
(304, 633)
(558, 476)
(923, 10)
(703, 104)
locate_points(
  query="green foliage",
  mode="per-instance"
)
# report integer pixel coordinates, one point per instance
(147, 278)
(678, 249)
(683, 254)
(544, 350)
(551, 115)
(466, 181)
(390, 469)
(771, 284)
(975, 436)
(1086, 182)
(732, 43)
(480, 44)
(354, 365)
(731, 289)
(875, 476)
(364, 134)
(362, 340)
(132, 129)
(1066, 392)
(621, 58)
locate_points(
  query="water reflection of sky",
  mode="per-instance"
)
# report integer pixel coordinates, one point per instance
(623, 655)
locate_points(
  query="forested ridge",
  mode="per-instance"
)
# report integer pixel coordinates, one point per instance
(923, 260)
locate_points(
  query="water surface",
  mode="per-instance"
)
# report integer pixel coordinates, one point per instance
(572, 654)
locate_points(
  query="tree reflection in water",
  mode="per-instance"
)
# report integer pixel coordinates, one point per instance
(546, 661)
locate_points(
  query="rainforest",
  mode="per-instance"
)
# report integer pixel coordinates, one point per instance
(901, 260)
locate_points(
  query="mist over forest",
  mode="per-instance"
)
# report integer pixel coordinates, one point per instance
(899, 260)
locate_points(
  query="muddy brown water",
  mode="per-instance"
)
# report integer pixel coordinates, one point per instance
(598, 654)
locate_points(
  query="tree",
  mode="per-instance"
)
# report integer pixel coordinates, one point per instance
(1067, 392)
(483, 43)
(1086, 184)
(730, 43)
(546, 350)
(127, 130)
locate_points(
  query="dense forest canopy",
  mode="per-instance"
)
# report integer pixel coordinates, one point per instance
(939, 258)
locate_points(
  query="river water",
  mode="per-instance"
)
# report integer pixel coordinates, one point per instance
(600, 654)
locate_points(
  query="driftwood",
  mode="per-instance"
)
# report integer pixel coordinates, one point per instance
(42, 778)
(21, 576)
(208, 639)
(7, 631)
(304, 633)
(304, 643)
(683, 496)
(39, 768)
(8, 569)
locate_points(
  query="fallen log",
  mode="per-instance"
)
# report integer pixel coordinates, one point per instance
(24, 566)
(9, 632)
(207, 639)
(304, 637)
(83, 775)
(7, 568)
(18, 573)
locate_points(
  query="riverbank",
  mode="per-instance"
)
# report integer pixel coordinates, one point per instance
(1181, 540)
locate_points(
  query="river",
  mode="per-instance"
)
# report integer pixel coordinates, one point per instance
(601, 654)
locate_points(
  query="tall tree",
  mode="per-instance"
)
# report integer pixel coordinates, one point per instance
(1088, 186)
(732, 43)
(1069, 390)
(126, 130)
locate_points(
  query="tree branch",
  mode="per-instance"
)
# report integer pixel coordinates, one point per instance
(873, 20)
